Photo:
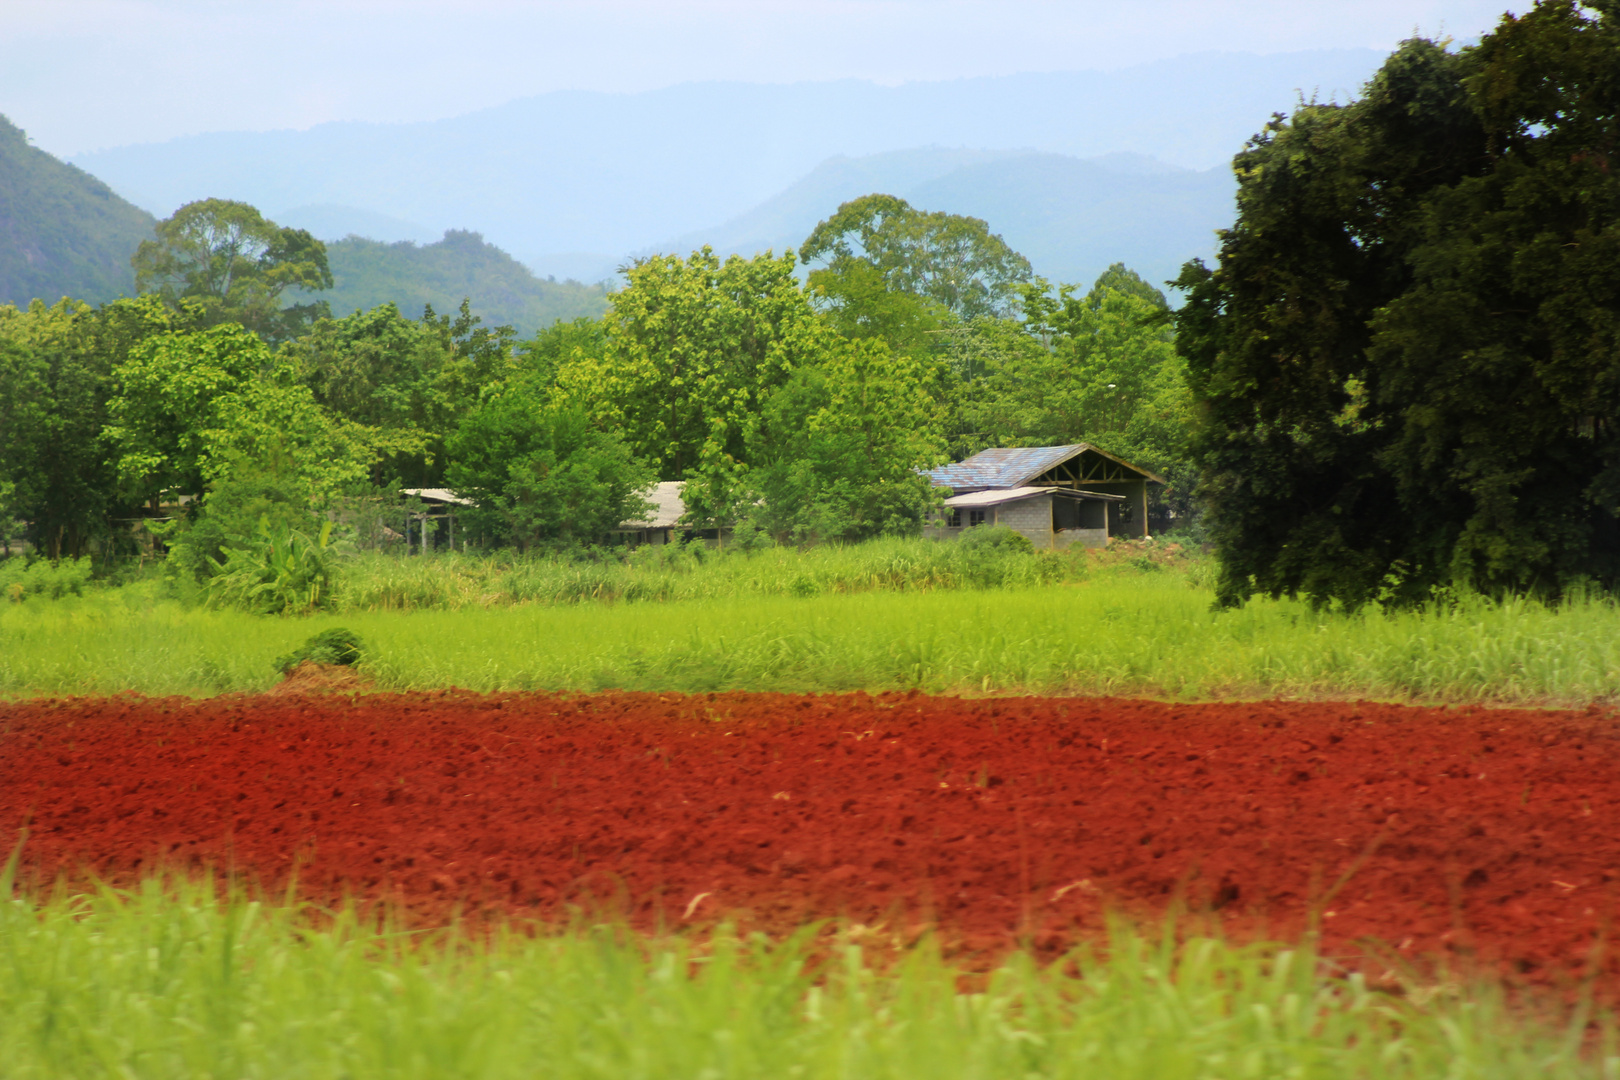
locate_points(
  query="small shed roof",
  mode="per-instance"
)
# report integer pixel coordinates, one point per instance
(1010, 467)
(437, 495)
(995, 497)
(667, 507)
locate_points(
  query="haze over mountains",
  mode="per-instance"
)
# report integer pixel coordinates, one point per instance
(63, 233)
(572, 183)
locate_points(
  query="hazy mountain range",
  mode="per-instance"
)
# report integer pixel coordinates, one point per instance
(1075, 169)
(62, 231)
(65, 233)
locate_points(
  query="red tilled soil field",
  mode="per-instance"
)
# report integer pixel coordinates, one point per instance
(1487, 835)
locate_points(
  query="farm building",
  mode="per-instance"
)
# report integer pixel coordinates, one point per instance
(1054, 495)
(435, 525)
(662, 524)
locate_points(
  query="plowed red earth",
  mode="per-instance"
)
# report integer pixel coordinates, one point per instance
(1483, 833)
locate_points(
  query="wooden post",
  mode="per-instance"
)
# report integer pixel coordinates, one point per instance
(1144, 510)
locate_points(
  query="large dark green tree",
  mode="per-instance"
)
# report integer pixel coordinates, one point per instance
(1408, 354)
(228, 258)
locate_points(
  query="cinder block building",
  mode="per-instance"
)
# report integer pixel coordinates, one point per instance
(1054, 495)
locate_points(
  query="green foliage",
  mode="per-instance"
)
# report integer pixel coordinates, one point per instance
(1406, 355)
(192, 408)
(541, 357)
(267, 491)
(167, 397)
(692, 349)
(951, 260)
(281, 572)
(182, 979)
(541, 472)
(335, 646)
(996, 539)
(889, 614)
(62, 231)
(48, 579)
(679, 573)
(56, 375)
(837, 454)
(235, 265)
(369, 274)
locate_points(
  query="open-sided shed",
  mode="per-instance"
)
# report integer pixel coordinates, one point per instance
(1055, 495)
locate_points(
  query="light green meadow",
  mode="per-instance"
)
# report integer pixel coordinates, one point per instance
(1117, 631)
(169, 983)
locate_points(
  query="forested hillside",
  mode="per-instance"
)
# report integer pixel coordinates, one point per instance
(62, 231)
(368, 273)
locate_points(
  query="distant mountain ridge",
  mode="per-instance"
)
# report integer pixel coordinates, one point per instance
(367, 273)
(62, 231)
(65, 233)
(1070, 217)
(582, 172)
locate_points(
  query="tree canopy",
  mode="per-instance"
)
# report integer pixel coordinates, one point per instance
(949, 259)
(236, 264)
(1408, 355)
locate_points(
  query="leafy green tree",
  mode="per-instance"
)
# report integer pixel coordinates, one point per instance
(56, 367)
(166, 400)
(541, 357)
(236, 265)
(878, 245)
(839, 452)
(410, 380)
(1407, 354)
(692, 348)
(542, 472)
(1408, 350)
(190, 407)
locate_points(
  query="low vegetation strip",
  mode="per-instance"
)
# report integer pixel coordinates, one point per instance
(686, 572)
(173, 984)
(1480, 836)
(1132, 632)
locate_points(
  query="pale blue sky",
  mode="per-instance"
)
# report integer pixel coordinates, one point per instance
(85, 74)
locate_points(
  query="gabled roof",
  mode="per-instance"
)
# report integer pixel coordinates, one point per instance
(1015, 466)
(667, 507)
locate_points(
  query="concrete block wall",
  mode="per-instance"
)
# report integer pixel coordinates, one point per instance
(1030, 517)
(1092, 538)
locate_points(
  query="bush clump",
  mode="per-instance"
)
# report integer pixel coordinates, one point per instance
(336, 646)
(21, 578)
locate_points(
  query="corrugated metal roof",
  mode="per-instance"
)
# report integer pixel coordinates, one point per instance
(438, 495)
(1015, 466)
(1003, 467)
(667, 507)
(997, 496)
(994, 497)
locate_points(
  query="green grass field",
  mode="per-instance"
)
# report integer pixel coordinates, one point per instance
(170, 983)
(1115, 630)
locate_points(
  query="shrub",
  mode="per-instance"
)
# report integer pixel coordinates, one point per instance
(285, 572)
(997, 538)
(23, 578)
(335, 646)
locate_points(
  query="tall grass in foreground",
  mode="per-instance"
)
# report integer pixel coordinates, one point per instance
(170, 983)
(1123, 632)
